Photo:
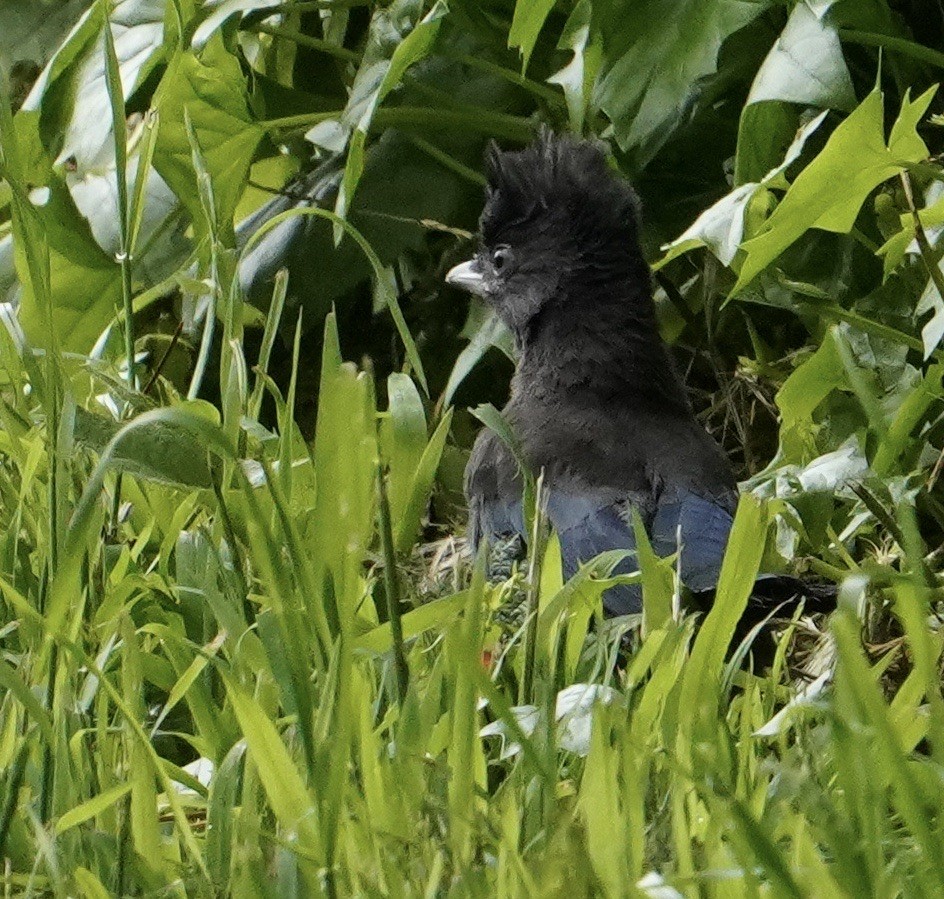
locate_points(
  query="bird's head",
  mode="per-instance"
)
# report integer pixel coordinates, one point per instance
(558, 225)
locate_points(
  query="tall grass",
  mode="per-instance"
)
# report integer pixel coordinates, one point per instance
(260, 618)
(218, 678)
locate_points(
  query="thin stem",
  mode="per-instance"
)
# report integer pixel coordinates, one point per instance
(120, 134)
(899, 44)
(163, 360)
(306, 40)
(302, 120)
(47, 785)
(532, 597)
(392, 587)
(305, 6)
(11, 801)
(549, 94)
(447, 161)
(496, 124)
(924, 245)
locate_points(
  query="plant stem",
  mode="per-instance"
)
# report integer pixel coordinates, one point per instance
(392, 587)
(447, 161)
(306, 40)
(538, 541)
(548, 94)
(899, 44)
(497, 124)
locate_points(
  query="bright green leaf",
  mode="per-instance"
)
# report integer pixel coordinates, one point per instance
(212, 89)
(829, 192)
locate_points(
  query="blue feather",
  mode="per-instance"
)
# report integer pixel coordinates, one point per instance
(589, 522)
(697, 527)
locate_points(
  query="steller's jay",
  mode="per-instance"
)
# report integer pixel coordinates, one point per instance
(596, 401)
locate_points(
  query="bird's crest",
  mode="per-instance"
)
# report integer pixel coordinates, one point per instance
(556, 182)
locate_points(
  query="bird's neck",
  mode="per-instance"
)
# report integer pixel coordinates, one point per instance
(614, 356)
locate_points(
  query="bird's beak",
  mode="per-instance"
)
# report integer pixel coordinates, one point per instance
(467, 276)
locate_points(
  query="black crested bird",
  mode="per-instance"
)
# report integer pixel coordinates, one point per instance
(596, 401)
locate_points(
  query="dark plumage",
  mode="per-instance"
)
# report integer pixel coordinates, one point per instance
(596, 400)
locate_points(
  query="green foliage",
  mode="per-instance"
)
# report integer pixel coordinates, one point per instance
(230, 667)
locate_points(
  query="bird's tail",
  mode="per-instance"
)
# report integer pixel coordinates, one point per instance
(780, 590)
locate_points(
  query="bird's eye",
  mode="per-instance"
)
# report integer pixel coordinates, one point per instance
(501, 258)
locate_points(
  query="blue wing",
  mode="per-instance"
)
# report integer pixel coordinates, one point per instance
(697, 527)
(590, 522)
(587, 524)
(694, 525)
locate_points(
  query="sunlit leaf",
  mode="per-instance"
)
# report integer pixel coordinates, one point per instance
(828, 193)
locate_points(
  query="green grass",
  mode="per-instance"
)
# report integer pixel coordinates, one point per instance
(241, 621)
(191, 589)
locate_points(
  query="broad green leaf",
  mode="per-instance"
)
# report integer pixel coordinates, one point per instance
(578, 76)
(808, 385)
(805, 65)
(164, 452)
(655, 52)
(284, 786)
(84, 282)
(603, 818)
(403, 435)
(224, 795)
(421, 486)
(220, 11)
(484, 330)
(829, 192)
(85, 296)
(15, 687)
(657, 580)
(721, 226)
(765, 130)
(160, 241)
(91, 887)
(435, 614)
(466, 645)
(345, 458)
(145, 832)
(212, 90)
(526, 25)
(894, 250)
(72, 95)
(699, 690)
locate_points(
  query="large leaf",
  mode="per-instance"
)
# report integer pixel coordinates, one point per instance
(220, 11)
(161, 244)
(577, 77)
(655, 54)
(526, 26)
(72, 94)
(211, 89)
(345, 459)
(805, 65)
(85, 284)
(484, 330)
(159, 451)
(721, 227)
(829, 192)
(403, 439)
